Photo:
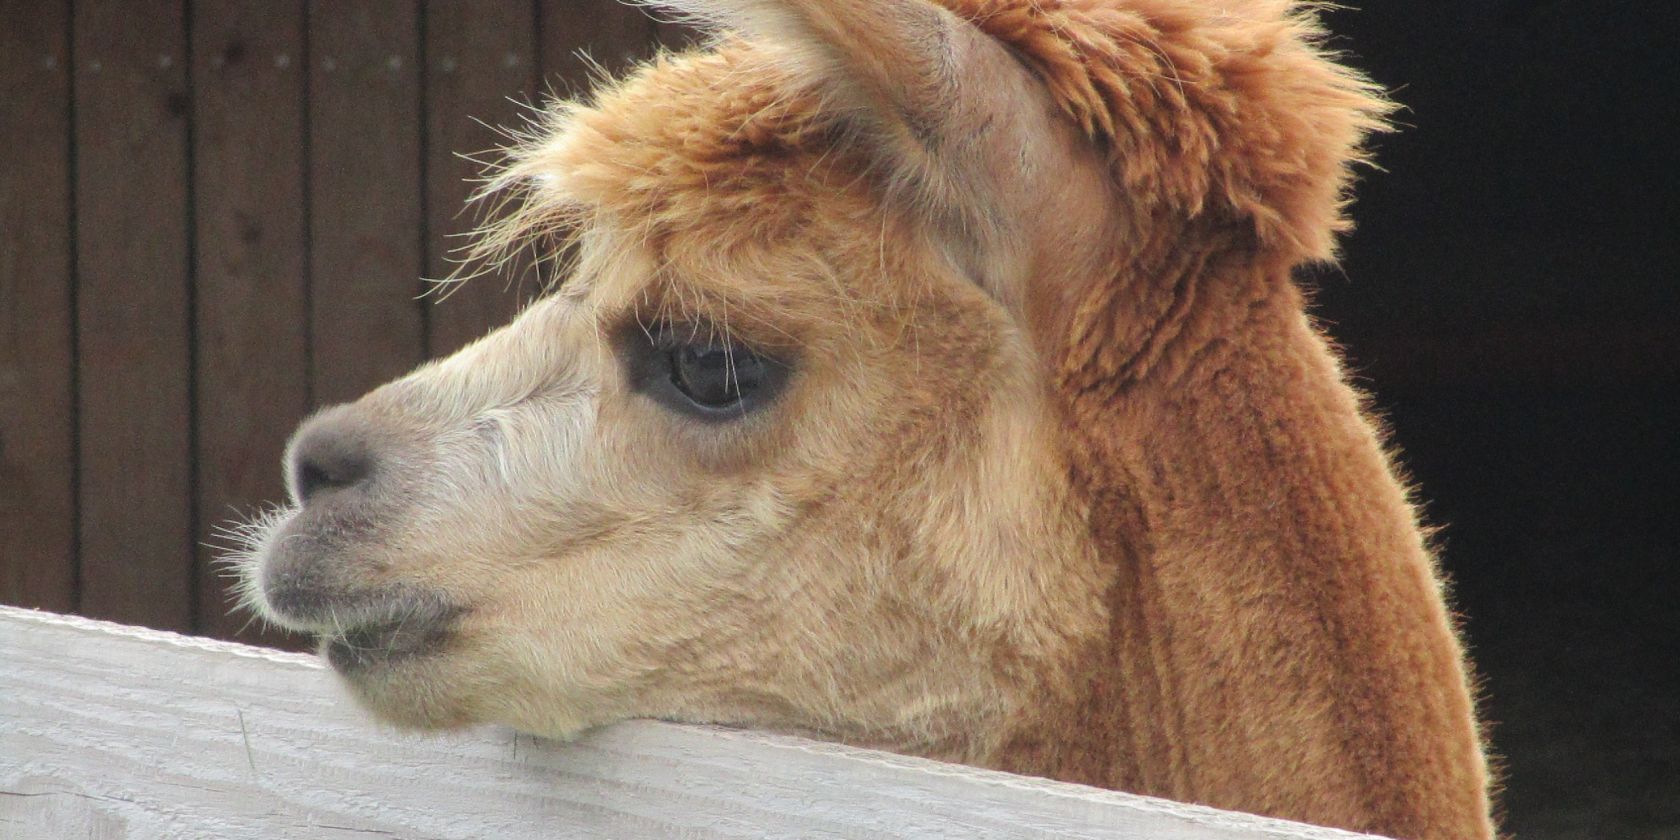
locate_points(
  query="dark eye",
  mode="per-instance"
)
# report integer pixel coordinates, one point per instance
(716, 377)
(709, 379)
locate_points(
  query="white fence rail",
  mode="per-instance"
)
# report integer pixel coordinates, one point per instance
(109, 731)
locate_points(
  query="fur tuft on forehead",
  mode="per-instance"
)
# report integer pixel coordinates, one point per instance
(697, 139)
(1222, 108)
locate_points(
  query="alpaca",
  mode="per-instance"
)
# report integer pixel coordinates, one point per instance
(926, 377)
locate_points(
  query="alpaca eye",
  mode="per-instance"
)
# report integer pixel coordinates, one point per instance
(717, 377)
(703, 378)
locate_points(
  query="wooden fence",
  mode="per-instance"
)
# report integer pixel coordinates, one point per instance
(214, 217)
(110, 731)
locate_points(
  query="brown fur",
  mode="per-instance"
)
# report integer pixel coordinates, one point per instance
(1067, 483)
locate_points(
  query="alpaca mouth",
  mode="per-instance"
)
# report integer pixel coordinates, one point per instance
(422, 631)
(363, 630)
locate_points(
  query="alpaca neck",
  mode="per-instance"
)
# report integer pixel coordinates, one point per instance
(1278, 641)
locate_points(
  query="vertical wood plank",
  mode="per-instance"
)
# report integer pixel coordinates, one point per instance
(612, 34)
(365, 223)
(252, 297)
(481, 58)
(37, 451)
(580, 40)
(133, 353)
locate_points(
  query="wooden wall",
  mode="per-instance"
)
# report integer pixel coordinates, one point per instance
(214, 217)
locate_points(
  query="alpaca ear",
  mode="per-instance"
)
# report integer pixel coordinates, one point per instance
(958, 124)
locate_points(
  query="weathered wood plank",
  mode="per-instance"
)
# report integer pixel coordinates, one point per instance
(37, 423)
(365, 192)
(481, 61)
(116, 731)
(133, 355)
(252, 293)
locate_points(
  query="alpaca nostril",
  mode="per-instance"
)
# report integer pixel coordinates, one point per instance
(314, 477)
(323, 461)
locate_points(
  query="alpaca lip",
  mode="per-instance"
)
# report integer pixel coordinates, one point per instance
(312, 607)
(361, 629)
(423, 629)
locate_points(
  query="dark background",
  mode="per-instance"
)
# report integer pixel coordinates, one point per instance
(212, 215)
(1512, 295)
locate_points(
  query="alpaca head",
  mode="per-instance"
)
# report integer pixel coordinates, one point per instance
(785, 447)
(778, 451)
